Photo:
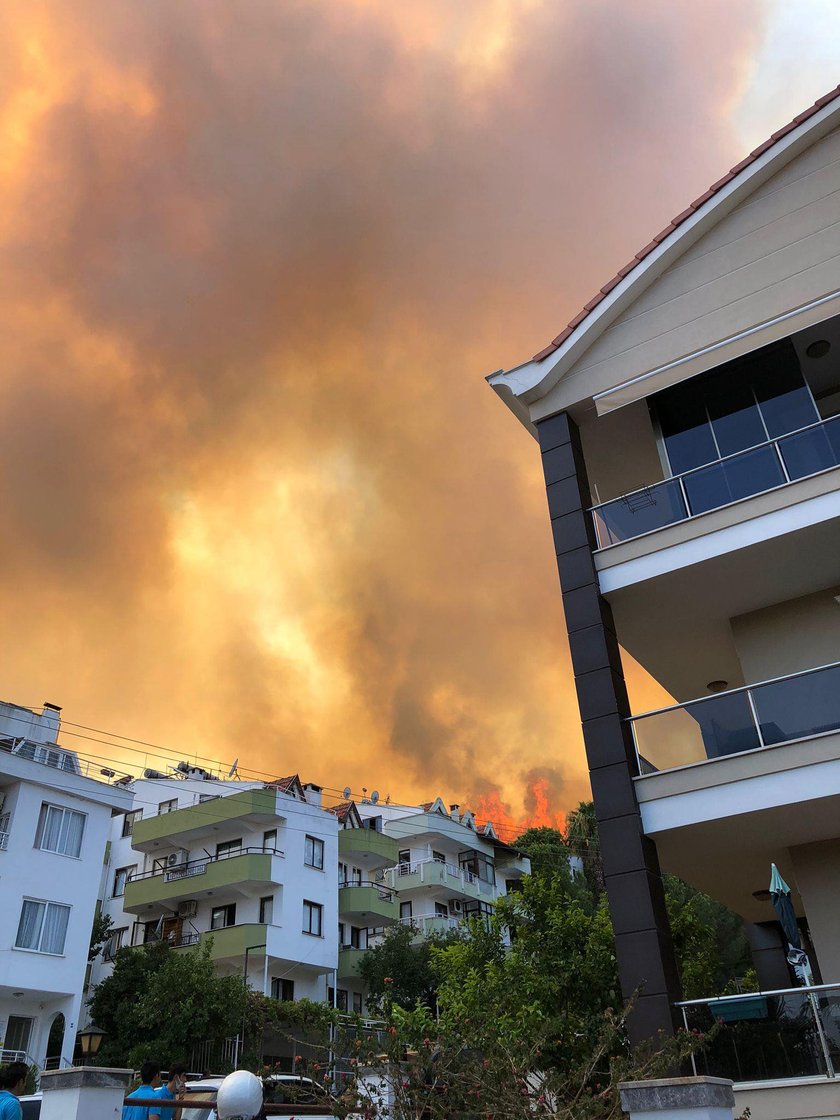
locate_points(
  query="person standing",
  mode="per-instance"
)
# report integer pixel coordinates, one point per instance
(12, 1085)
(175, 1082)
(150, 1083)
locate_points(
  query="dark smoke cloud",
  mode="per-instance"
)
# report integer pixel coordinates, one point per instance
(255, 261)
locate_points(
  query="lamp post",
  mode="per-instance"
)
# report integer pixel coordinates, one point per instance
(90, 1039)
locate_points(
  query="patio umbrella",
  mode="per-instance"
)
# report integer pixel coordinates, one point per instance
(780, 893)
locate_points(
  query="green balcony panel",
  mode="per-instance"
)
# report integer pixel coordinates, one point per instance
(234, 940)
(348, 963)
(368, 906)
(251, 805)
(253, 869)
(367, 847)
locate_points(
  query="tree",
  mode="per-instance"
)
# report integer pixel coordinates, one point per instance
(399, 969)
(547, 850)
(159, 1002)
(583, 841)
(103, 927)
(709, 940)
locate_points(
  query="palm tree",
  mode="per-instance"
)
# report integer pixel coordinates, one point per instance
(582, 840)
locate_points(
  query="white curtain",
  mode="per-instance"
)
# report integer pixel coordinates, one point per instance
(55, 928)
(72, 831)
(60, 830)
(49, 827)
(29, 926)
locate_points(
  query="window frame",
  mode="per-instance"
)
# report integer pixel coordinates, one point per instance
(311, 909)
(46, 904)
(227, 849)
(168, 806)
(41, 828)
(130, 819)
(128, 870)
(313, 846)
(267, 899)
(229, 910)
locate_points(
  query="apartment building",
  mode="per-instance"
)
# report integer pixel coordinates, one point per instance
(689, 423)
(55, 818)
(252, 865)
(429, 867)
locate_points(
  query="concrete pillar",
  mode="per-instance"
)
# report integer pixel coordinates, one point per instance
(769, 955)
(816, 868)
(644, 950)
(84, 1093)
(678, 1098)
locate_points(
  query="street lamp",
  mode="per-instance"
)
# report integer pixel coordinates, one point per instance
(90, 1039)
(248, 949)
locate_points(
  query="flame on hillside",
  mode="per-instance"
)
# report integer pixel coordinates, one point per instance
(540, 810)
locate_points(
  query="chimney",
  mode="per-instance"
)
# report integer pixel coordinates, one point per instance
(453, 812)
(50, 722)
(312, 793)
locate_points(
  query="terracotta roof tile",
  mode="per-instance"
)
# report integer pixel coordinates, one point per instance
(341, 810)
(682, 217)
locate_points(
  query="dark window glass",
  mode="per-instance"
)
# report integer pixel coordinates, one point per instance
(686, 428)
(800, 706)
(727, 481)
(735, 418)
(786, 403)
(726, 724)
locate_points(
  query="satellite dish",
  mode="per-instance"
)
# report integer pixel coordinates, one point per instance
(374, 796)
(347, 792)
(233, 768)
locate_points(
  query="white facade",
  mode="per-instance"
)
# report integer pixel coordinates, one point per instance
(54, 826)
(254, 868)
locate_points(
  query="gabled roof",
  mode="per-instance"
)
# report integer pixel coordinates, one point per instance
(291, 785)
(683, 216)
(526, 384)
(347, 813)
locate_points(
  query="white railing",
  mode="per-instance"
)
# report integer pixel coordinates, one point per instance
(432, 922)
(4, 841)
(436, 871)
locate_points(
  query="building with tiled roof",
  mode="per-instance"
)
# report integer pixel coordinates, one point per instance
(689, 424)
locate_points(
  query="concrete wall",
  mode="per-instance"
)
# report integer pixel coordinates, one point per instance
(620, 451)
(789, 637)
(802, 1099)
(817, 871)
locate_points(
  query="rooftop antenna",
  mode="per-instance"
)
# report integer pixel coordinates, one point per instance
(234, 770)
(374, 796)
(347, 792)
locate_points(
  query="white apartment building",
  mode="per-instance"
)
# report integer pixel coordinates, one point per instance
(54, 825)
(689, 424)
(254, 866)
(427, 866)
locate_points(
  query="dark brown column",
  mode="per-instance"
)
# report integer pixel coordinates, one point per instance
(644, 950)
(769, 955)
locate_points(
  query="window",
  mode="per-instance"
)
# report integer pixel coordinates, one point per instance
(404, 856)
(267, 910)
(342, 874)
(356, 876)
(282, 989)
(129, 821)
(441, 910)
(114, 943)
(60, 830)
(340, 933)
(223, 916)
(168, 806)
(357, 1003)
(121, 877)
(313, 853)
(373, 823)
(337, 999)
(228, 848)
(313, 914)
(270, 840)
(356, 939)
(405, 911)
(202, 797)
(42, 926)
(438, 857)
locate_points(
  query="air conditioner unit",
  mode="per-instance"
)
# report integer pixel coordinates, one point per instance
(177, 858)
(456, 906)
(188, 908)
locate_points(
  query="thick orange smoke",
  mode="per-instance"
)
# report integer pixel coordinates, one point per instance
(254, 262)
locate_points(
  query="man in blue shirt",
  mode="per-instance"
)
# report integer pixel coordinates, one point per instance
(175, 1083)
(149, 1085)
(12, 1084)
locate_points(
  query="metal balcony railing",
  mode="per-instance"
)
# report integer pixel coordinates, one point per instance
(189, 868)
(4, 841)
(763, 1036)
(782, 710)
(767, 466)
(430, 869)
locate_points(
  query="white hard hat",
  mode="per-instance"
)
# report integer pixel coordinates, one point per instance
(240, 1096)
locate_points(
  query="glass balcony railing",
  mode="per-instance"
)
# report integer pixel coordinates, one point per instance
(764, 1036)
(799, 706)
(789, 458)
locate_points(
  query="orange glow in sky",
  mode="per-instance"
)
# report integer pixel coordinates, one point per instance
(256, 260)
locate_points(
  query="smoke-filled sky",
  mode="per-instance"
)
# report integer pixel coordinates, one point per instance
(256, 258)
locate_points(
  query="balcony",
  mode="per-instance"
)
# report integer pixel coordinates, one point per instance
(241, 872)
(432, 925)
(784, 710)
(348, 962)
(251, 806)
(366, 846)
(767, 466)
(368, 904)
(763, 1036)
(433, 873)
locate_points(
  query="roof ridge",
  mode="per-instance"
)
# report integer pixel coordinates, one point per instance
(701, 200)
